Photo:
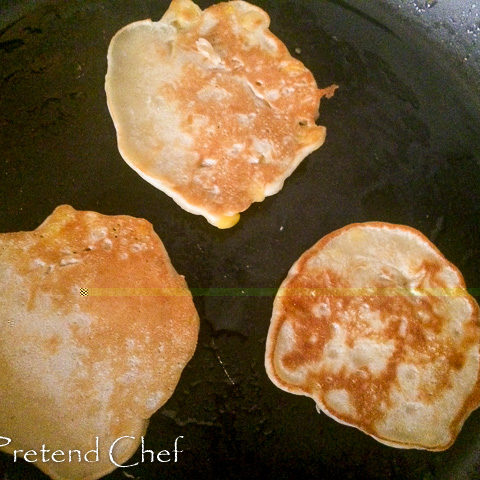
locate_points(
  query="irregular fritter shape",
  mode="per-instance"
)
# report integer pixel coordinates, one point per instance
(96, 328)
(210, 107)
(377, 327)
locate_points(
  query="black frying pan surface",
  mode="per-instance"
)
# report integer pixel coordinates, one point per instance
(403, 146)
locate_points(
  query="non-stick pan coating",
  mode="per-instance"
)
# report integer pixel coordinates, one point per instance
(403, 143)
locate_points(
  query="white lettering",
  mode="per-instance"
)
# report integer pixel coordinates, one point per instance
(15, 454)
(7, 439)
(30, 453)
(95, 451)
(152, 455)
(77, 452)
(164, 456)
(43, 451)
(110, 453)
(175, 450)
(163, 452)
(58, 452)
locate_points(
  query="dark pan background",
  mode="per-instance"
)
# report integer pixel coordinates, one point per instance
(403, 146)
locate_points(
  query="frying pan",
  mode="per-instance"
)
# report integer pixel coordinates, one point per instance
(403, 146)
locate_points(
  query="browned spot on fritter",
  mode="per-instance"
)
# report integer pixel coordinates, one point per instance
(410, 317)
